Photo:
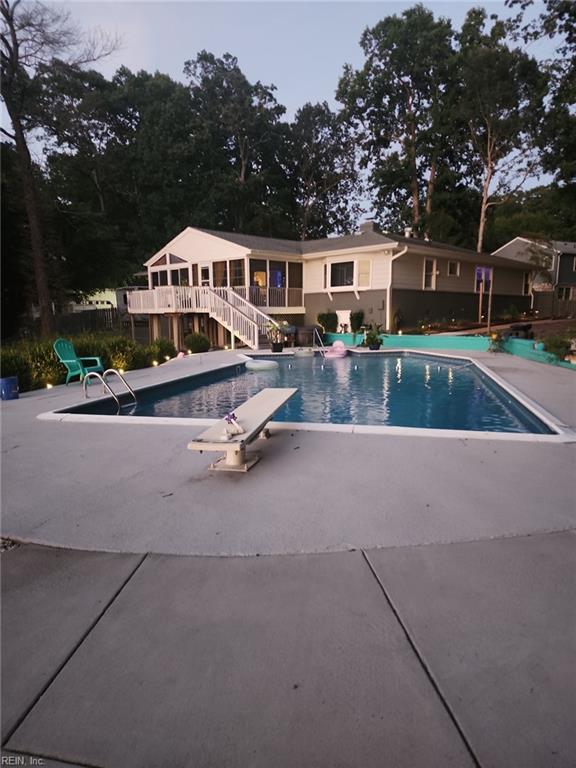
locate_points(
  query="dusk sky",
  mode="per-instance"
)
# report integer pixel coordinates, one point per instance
(300, 47)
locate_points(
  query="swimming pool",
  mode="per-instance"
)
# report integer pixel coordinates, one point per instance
(395, 389)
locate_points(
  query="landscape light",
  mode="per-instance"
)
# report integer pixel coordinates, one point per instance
(189, 351)
(120, 370)
(154, 362)
(166, 357)
(49, 386)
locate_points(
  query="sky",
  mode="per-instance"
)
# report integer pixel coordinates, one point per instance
(300, 47)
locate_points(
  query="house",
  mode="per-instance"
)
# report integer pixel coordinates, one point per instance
(230, 285)
(559, 258)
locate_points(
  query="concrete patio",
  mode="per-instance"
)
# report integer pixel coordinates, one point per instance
(354, 600)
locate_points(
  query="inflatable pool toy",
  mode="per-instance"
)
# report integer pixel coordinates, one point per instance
(336, 350)
(303, 353)
(261, 365)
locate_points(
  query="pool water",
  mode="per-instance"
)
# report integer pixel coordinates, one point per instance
(389, 390)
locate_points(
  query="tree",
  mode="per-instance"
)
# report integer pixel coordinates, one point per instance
(557, 141)
(399, 103)
(31, 36)
(326, 181)
(501, 101)
(239, 139)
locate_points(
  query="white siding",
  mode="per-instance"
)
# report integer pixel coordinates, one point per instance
(199, 247)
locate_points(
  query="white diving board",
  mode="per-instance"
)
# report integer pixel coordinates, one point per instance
(252, 416)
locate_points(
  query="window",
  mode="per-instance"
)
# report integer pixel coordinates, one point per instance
(525, 283)
(429, 282)
(194, 274)
(176, 259)
(341, 274)
(564, 292)
(205, 275)
(453, 269)
(159, 262)
(155, 279)
(237, 273)
(483, 279)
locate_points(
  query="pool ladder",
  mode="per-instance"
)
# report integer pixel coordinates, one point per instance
(105, 385)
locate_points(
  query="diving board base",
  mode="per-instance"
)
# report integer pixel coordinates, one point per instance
(224, 465)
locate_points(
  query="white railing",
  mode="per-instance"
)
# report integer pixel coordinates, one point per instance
(271, 297)
(228, 308)
(233, 319)
(248, 309)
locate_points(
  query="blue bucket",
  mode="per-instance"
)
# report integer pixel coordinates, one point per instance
(9, 388)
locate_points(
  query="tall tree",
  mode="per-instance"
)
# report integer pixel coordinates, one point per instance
(31, 36)
(326, 179)
(502, 102)
(557, 140)
(238, 137)
(398, 102)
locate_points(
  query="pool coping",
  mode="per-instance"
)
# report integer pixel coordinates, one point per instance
(562, 432)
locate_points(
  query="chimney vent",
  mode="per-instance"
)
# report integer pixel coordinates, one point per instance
(368, 226)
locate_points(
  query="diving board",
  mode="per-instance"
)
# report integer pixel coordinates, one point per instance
(252, 416)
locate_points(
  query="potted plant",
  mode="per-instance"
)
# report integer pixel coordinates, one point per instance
(276, 335)
(372, 338)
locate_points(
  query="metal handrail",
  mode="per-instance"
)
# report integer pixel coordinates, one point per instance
(105, 385)
(122, 379)
(322, 347)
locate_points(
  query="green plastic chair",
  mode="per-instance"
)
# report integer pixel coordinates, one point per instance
(76, 366)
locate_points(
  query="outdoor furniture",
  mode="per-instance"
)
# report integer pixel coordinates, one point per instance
(252, 417)
(76, 366)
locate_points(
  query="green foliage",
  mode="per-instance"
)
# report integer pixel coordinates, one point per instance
(36, 364)
(372, 338)
(356, 320)
(329, 321)
(557, 345)
(197, 342)
(398, 320)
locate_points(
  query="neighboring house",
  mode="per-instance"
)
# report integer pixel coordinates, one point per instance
(560, 258)
(227, 284)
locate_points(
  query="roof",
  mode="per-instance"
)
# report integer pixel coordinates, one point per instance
(563, 246)
(367, 237)
(302, 247)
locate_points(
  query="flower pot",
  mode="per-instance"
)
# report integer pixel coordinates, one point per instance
(374, 347)
(277, 346)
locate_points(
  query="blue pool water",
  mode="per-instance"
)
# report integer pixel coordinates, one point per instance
(389, 390)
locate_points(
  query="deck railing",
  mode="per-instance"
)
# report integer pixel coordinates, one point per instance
(174, 298)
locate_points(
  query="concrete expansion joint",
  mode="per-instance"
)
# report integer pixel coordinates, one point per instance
(420, 657)
(7, 736)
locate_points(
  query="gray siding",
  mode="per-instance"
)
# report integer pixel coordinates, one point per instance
(433, 306)
(372, 302)
(408, 273)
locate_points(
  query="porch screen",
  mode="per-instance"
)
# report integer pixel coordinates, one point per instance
(237, 279)
(258, 272)
(277, 274)
(294, 274)
(194, 274)
(220, 274)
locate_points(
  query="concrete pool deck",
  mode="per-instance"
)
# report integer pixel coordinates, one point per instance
(419, 611)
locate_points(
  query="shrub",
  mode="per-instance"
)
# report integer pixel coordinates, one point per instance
(163, 348)
(356, 320)
(197, 342)
(557, 345)
(398, 320)
(329, 321)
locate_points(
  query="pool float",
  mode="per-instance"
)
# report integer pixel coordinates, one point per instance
(304, 353)
(261, 365)
(336, 350)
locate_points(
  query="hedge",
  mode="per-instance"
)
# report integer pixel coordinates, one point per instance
(36, 365)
